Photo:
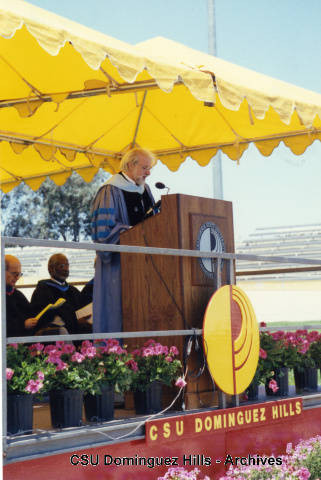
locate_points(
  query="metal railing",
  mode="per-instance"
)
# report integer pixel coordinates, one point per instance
(217, 282)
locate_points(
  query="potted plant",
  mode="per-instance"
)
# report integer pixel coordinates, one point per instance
(110, 370)
(155, 365)
(305, 371)
(271, 367)
(288, 360)
(65, 382)
(275, 359)
(25, 375)
(315, 348)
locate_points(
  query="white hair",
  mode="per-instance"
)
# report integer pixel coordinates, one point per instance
(134, 155)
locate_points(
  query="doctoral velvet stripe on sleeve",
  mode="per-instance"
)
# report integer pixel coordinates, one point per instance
(109, 215)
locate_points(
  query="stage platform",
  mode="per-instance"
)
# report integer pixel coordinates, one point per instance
(91, 450)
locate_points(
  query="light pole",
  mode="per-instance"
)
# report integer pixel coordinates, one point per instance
(217, 160)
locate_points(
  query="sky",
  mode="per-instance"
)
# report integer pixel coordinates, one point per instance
(280, 38)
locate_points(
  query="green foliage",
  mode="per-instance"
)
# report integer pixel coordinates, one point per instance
(315, 352)
(72, 377)
(24, 368)
(313, 461)
(155, 362)
(52, 212)
(108, 363)
(89, 369)
(299, 349)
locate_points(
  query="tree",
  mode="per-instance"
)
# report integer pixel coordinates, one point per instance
(52, 212)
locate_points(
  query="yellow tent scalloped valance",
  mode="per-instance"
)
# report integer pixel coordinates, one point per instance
(73, 99)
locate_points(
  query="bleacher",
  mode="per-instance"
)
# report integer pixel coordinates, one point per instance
(302, 241)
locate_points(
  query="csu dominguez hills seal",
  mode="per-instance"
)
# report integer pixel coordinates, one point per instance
(209, 239)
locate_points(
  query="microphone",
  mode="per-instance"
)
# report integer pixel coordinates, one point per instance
(161, 186)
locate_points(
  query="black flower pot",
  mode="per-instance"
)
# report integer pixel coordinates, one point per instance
(306, 380)
(281, 377)
(311, 379)
(66, 408)
(299, 380)
(19, 413)
(100, 407)
(253, 391)
(149, 401)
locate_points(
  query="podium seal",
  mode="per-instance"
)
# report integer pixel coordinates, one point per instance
(210, 239)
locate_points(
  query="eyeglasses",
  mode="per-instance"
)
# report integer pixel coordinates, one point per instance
(15, 274)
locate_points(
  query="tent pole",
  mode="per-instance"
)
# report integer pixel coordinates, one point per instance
(217, 160)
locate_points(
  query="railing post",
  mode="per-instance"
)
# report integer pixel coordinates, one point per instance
(235, 399)
(221, 399)
(230, 272)
(218, 273)
(3, 347)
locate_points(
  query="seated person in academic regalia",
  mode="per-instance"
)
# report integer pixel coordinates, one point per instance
(18, 312)
(61, 320)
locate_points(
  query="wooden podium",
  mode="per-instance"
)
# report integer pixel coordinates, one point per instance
(170, 292)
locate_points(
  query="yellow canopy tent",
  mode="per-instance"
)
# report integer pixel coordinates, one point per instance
(72, 99)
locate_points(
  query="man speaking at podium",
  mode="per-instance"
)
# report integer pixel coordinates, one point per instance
(120, 203)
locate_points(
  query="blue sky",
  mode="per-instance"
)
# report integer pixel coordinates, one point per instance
(281, 38)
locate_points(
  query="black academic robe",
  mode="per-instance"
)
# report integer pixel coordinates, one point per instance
(17, 311)
(137, 205)
(48, 291)
(87, 293)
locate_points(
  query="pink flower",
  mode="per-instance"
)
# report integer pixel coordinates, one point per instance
(313, 336)
(40, 375)
(54, 356)
(279, 335)
(86, 343)
(49, 348)
(132, 365)
(289, 448)
(60, 343)
(33, 386)
(137, 352)
(77, 357)
(116, 349)
(61, 365)
(173, 350)
(103, 349)
(149, 343)
(180, 382)
(68, 348)
(303, 473)
(9, 373)
(262, 353)
(262, 324)
(169, 359)
(301, 332)
(158, 349)
(88, 351)
(13, 345)
(304, 347)
(147, 352)
(273, 386)
(165, 350)
(36, 348)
